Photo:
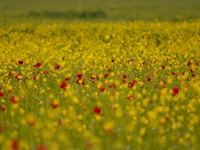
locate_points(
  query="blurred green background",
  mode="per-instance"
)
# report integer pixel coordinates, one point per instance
(23, 11)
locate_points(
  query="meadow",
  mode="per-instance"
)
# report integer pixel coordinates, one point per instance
(100, 86)
(75, 76)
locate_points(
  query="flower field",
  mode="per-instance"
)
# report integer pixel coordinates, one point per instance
(100, 86)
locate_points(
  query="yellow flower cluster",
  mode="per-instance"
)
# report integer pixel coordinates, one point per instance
(101, 86)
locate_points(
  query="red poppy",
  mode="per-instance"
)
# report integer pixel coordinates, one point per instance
(83, 83)
(15, 145)
(35, 77)
(164, 81)
(175, 91)
(191, 70)
(131, 84)
(16, 77)
(163, 66)
(148, 79)
(77, 81)
(105, 75)
(63, 85)
(12, 99)
(124, 81)
(45, 72)
(54, 105)
(1, 94)
(125, 76)
(67, 78)
(57, 67)
(10, 74)
(92, 77)
(112, 85)
(79, 75)
(97, 110)
(3, 109)
(130, 97)
(102, 89)
(20, 62)
(193, 75)
(189, 63)
(41, 147)
(37, 65)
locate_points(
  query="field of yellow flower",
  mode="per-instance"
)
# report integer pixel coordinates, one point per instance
(100, 86)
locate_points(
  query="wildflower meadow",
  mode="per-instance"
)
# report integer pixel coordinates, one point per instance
(100, 86)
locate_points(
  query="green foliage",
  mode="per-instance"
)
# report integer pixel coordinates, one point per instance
(65, 11)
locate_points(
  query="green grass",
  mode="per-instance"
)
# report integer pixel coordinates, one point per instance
(56, 11)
